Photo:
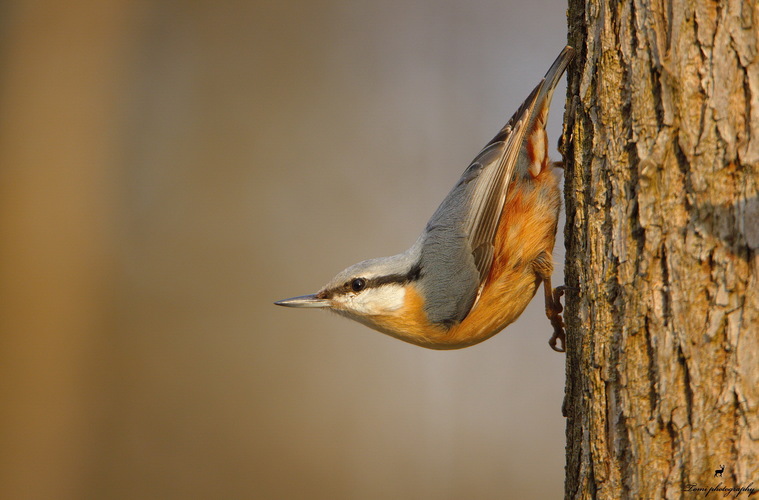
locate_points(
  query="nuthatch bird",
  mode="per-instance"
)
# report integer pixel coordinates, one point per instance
(482, 255)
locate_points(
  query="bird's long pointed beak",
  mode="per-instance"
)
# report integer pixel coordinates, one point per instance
(304, 301)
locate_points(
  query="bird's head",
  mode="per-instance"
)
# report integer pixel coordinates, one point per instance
(369, 292)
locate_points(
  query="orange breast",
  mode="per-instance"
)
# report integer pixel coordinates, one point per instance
(410, 323)
(527, 229)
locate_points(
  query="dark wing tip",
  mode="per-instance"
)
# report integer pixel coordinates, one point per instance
(541, 91)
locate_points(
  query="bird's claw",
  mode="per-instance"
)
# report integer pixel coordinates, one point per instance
(553, 311)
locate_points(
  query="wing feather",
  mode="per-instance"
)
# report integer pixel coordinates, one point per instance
(488, 200)
(466, 222)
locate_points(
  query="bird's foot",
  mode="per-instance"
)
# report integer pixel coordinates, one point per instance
(553, 311)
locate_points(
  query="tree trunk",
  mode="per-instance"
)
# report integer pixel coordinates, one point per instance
(662, 162)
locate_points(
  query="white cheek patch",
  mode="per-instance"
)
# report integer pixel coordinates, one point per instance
(381, 300)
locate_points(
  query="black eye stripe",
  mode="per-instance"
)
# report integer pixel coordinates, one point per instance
(398, 279)
(401, 279)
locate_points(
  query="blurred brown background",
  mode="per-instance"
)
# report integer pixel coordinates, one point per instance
(168, 169)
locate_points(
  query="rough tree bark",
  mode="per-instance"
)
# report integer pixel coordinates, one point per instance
(662, 173)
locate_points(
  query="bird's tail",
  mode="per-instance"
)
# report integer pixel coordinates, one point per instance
(534, 149)
(538, 101)
(553, 76)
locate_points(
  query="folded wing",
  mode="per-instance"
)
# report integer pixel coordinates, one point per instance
(459, 246)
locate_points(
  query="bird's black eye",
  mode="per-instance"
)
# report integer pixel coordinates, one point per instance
(358, 284)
